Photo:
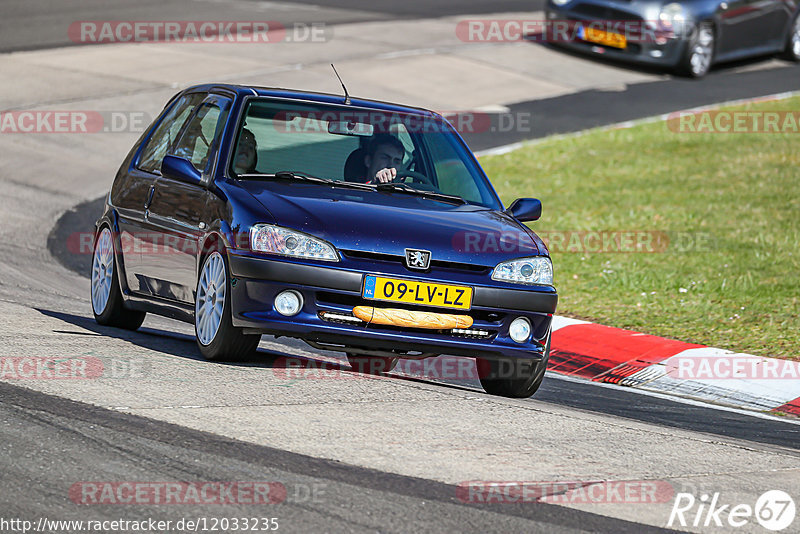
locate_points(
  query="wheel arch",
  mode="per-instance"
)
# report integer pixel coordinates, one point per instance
(110, 220)
(220, 237)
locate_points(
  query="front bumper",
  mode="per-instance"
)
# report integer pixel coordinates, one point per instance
(645, 52)
(256, 281)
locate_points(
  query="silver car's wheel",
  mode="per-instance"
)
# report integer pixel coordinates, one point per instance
(701, 51)
(210, 302)
(792, 50)
(102, 271)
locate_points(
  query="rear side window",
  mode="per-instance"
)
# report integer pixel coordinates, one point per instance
(163, 137)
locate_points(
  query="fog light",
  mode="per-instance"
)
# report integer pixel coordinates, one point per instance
(289, 303)
(520, 330)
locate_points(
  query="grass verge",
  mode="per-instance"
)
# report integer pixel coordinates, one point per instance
(728, 205)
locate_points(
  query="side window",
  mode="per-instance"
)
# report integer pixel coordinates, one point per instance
(452, 174)
(163, 137)
(201, 134)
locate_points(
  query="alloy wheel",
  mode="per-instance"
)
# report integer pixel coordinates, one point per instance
(702, 50)
(102, 271)
(210, 302)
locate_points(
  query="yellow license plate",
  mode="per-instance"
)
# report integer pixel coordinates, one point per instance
(602, 37)
(421, 293)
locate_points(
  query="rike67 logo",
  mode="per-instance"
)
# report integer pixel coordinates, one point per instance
(774, 510)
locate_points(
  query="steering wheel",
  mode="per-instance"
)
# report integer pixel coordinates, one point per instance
(416, 176)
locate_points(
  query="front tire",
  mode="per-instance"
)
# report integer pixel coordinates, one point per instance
(514, 378)
(792, 52)
(699, 54)
(107, 302)
(217, 338)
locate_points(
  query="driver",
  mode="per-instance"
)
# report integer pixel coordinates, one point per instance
(246, 157)
(385, 153)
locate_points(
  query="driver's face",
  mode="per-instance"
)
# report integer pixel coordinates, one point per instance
(385, 157)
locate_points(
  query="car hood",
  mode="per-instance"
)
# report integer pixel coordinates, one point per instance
(390, 222)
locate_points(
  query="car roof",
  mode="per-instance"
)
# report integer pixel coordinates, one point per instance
(323, 98)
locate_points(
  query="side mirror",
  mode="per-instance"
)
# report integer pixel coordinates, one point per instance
(525, 209)
(180, 169)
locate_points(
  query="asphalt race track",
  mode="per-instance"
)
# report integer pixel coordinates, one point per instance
(355, 454)
(34, 25)
(322, 496)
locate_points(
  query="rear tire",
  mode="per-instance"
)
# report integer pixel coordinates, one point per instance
(217, 338)
(514, 378)
(371, 365)
(792, 52)
(107, 302)
(699, 55)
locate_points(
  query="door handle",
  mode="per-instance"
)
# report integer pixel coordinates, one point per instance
(150, 197)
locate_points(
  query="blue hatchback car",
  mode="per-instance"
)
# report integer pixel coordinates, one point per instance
(356, 226)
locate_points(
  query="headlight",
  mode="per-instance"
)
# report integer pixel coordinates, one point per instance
(277, 240)
(672, 17)
(560, 2)
(533, 271)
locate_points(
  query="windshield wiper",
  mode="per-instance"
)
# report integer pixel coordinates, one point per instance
(290, 175)
(282, 175)
(404, 188)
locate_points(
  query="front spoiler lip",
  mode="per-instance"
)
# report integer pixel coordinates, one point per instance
(481, 351)
(326, 277)
(345, 335)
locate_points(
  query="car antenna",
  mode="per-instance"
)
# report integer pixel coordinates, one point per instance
(346, 94)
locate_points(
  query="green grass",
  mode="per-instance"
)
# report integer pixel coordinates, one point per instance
(741, 190)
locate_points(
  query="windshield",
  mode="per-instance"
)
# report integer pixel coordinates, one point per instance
(358, 146)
